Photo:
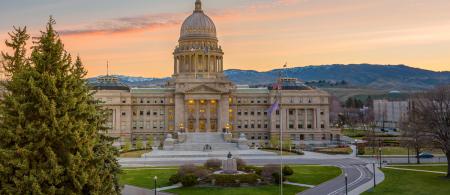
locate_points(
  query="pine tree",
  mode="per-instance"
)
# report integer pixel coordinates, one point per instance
(51, 129)
(17, 60)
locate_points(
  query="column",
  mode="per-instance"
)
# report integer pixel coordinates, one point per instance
(305, 125)
(180, 115)
(296, 119)
(208, 116)
(223, 115)
(175, 71)
(319, 119)
(197, 109)
(315, 118)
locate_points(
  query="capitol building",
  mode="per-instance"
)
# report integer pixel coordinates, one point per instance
(200, 99)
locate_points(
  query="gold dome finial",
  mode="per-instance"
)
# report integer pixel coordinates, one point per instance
(198, 6)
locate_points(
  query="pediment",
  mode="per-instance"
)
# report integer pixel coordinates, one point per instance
(203, 89)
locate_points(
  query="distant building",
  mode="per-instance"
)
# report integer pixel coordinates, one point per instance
(388, 114)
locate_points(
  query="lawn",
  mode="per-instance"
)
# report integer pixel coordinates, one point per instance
(285, 153)
(306, 174)
(442, 168)
(411, 182)
(134, 154)
(397, 151)
(353, 133)
(313, 175)
(259, 190)
(144, 177)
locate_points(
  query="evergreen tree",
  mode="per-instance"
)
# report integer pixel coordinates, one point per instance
(51, 129)
(19, 38)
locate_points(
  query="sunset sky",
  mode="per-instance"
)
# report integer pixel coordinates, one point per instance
(137, 37)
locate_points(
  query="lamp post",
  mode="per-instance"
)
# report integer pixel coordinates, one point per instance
(346, 186)
(154, 179)
(379, 153)
(181, 127)
(227, 127)
(356, 148)
(374, 178)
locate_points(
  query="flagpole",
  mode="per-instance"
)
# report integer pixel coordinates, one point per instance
(281, 135)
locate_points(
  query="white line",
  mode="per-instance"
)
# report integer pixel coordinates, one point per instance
(361, 173)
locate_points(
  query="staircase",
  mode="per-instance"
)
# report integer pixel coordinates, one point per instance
(197, 142)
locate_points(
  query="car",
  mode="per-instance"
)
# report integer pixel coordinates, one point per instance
(426, 155)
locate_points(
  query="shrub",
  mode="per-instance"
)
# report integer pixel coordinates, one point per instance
(175, 178)
(232, 180)
(268, 171)
(276, 178)
(287, 171)
(126, 147)
(338, 150)
(190, 169)
(252, 169)
(240, 163)
(213, 164)
(189, 180)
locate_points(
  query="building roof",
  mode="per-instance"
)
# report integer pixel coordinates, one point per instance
(252, 90)
(108, 83)
(290, 84)
(151, 90)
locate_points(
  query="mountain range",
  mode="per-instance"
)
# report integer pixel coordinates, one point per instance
(391, 77)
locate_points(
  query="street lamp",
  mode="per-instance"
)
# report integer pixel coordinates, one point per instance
(374, 178)
(181, 127)
(356, 150)
(154, 179)
(346, 186)
(227, 127)
(379, 153)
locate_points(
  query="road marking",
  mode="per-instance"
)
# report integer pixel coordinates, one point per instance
(416, 170)
(298, 184)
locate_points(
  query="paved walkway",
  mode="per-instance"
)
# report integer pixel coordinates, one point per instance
(133, 190)
(416, 170)
(299, 184)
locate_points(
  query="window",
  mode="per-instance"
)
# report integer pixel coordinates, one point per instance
(245, 113)
(277, 112)
(277, 124)
(134, 113)
(259, 113)
(265, 113)
(323, 137)
(252, 113)
(300, 126)
(239, 113)
(155, 113)
(265, 101)
(291, 124)
(252, 101)
(309, 126)
(124, 113)
(124, 101)
(148, 113)
(141, 113)
(302, 137)
(291, 112)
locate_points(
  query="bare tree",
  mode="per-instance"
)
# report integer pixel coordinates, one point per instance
(432, 110)
(414, 136)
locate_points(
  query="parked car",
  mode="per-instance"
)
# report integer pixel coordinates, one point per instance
(426, 155)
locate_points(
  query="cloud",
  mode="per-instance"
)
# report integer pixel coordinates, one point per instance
(125, 24)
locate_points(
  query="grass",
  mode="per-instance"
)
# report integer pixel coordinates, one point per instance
(313, 175)
(390, 150)
(427, 168)
(306, 174)
(411, 182)
(259, 190)
(285, 153)
(144, 177)
(353, 133)
(134, 154)
(343, 150)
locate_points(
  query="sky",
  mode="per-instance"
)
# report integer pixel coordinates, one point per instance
(138, 37)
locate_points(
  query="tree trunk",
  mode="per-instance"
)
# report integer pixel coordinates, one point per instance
(417, 155)
(448, 164)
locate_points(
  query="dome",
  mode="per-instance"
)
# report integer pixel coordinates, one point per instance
(198, 25)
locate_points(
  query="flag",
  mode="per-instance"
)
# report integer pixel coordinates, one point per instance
(274, 107)
(285, 65)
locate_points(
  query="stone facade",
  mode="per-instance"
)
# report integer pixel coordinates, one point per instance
(200, 98)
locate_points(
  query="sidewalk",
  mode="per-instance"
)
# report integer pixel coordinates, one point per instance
(133, 190)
